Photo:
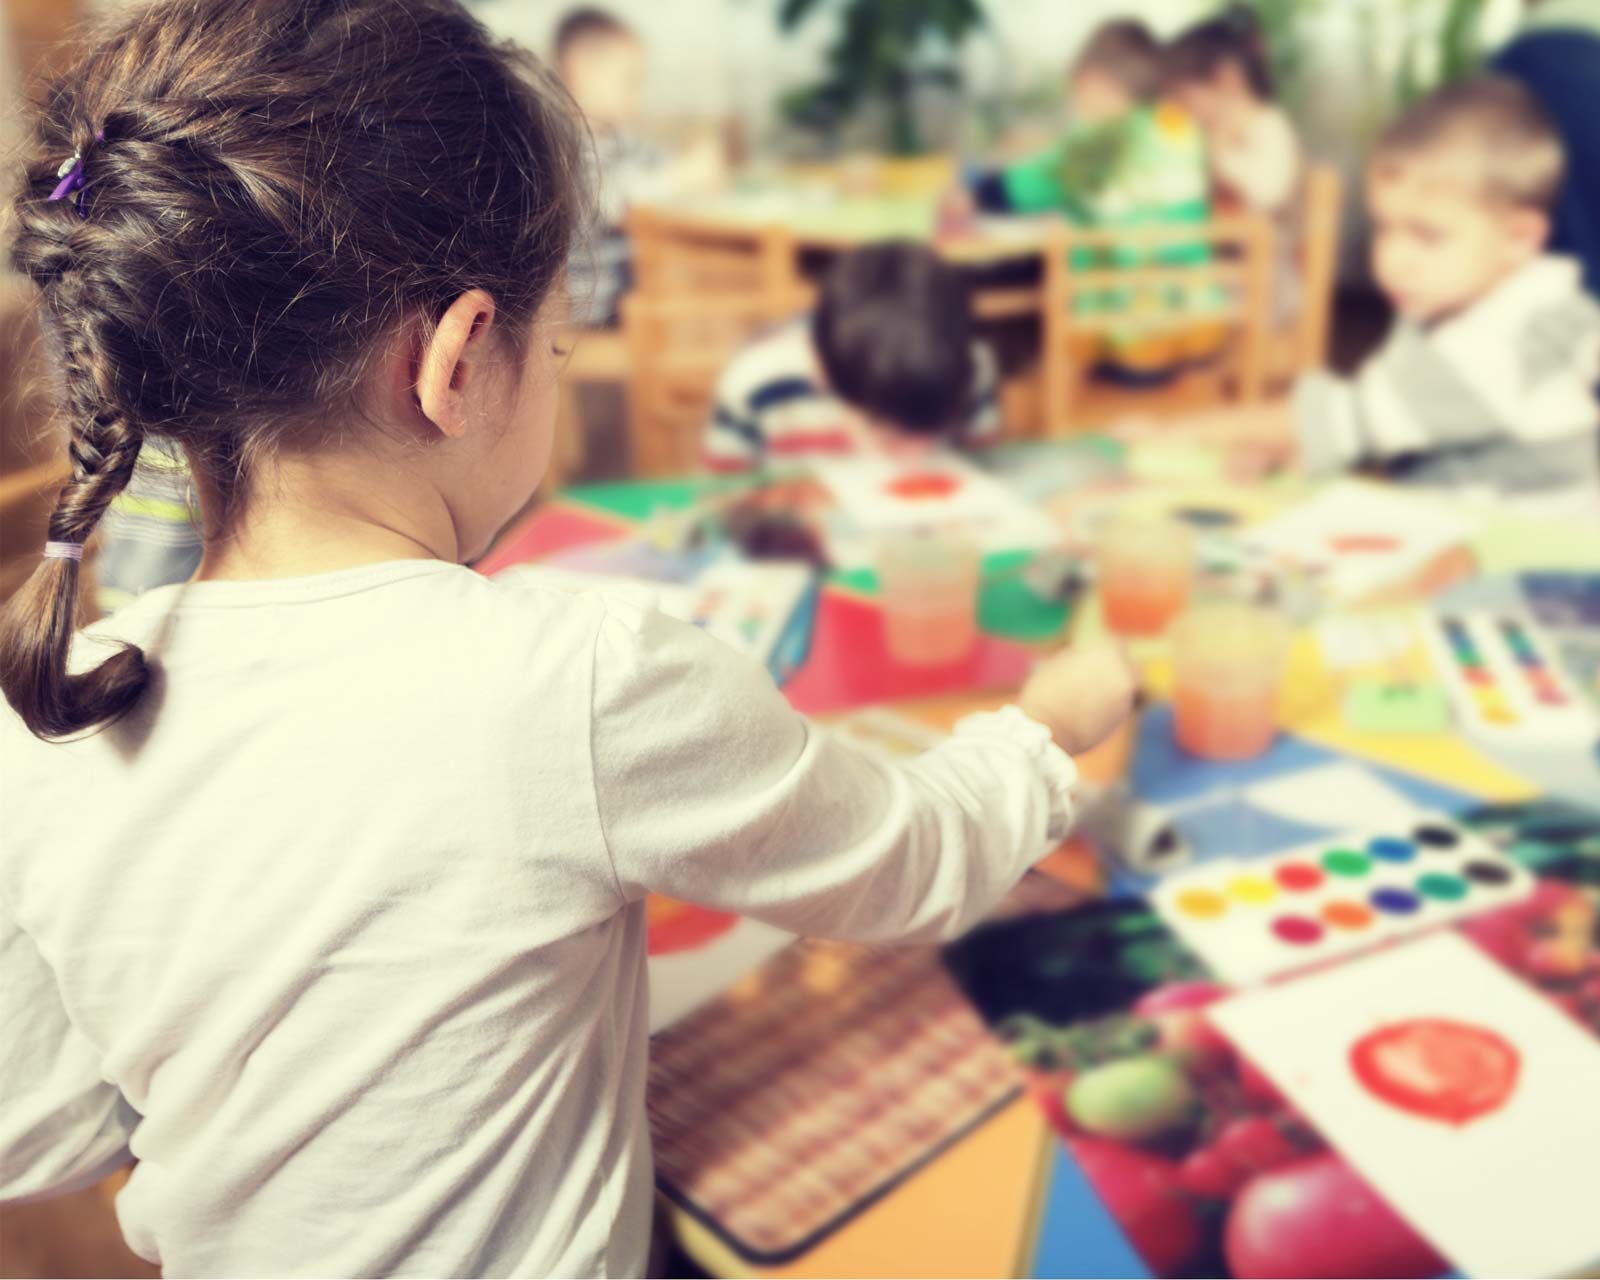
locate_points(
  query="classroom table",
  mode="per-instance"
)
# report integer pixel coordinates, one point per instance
(1007, 1199)
(820, 218)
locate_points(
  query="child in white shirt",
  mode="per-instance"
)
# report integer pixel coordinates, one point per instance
(322, 892)
(1218, 70)
(604, 64)
(1488, 377)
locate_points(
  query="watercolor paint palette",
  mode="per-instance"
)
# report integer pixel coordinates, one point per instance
(1251, 920)
(1505, 680)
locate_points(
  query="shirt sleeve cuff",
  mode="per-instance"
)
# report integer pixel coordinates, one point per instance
(1052, 765)
(1325, 423)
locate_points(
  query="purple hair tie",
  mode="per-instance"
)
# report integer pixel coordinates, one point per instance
(72, 178)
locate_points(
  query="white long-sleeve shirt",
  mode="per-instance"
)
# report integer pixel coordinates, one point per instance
(1500, 395)
(341, 932)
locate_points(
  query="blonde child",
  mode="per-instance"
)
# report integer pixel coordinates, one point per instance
(322, 891)
(604, 65)
(1488, 376)
(1218, 70)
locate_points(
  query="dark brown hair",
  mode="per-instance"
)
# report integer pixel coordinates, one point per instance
(1127, 51)
(893, 332)
(578, 26)
(1518, 149)
(1234, 36)
(273, 188)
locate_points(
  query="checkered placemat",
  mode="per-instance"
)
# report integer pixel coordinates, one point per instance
(805, 1093)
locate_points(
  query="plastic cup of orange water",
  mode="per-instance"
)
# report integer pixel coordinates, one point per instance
(1227, 667)
(928, 589)
(1146, 565)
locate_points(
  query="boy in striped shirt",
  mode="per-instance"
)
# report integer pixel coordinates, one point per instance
(888, 359)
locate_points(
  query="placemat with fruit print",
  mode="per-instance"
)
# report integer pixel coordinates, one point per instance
(810, 1090)
(1180, 1141)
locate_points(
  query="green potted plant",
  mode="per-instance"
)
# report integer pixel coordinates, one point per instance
(884, 52)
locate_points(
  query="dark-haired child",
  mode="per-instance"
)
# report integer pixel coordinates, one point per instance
(322, 893)
(1131, 157)
(1218, 70)
(887, 359)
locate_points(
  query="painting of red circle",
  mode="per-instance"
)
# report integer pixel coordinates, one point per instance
(1436, 1068)
(673, 926)
(920, 485)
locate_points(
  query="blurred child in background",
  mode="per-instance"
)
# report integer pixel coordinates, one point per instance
(152, 534)
(887, 362)
(1218, 70)
(1487, 377)
(604, 65)
(1130, 158)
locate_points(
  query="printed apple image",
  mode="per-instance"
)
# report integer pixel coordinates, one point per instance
(1133, 1099)
(1437, 1069)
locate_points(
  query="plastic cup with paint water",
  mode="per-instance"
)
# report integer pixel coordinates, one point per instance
(928, 588)
(1227, 665)
(1146, 566)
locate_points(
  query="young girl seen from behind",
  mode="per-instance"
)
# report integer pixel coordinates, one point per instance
(322, 888)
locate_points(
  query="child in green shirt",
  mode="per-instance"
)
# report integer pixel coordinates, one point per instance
(1129, 159)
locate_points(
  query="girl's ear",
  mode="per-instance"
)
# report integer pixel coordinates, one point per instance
(451, 358)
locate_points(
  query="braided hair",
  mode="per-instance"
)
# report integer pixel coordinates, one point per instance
(270, 189)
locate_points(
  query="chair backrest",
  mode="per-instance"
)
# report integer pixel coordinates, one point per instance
(679, 342)
(677, 252)
(701, 290)
(1154, 275)
(1318, 263)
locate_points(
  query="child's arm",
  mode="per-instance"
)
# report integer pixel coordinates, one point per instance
(1457, 392)
(62, 1127)
(732, 440)
(710, 788)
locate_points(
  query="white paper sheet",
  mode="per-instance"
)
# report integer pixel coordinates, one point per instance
(1363, 537)
(1334, 796)
(1514, 1192)
(995, 516)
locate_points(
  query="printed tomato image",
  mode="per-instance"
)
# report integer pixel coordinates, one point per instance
(1146, 1195)
(1452, 1072)
(1317, 1217)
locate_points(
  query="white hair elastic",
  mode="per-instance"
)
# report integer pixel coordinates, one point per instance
(63, 551)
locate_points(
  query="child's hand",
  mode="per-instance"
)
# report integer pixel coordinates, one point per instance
(1081, 695)
(1253, 460)
(957, 214)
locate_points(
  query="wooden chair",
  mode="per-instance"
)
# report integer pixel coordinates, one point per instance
(700, 292)
(675, 253)
(1300, 344)
(1238, 269)
(596, 356)
(678, 345)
